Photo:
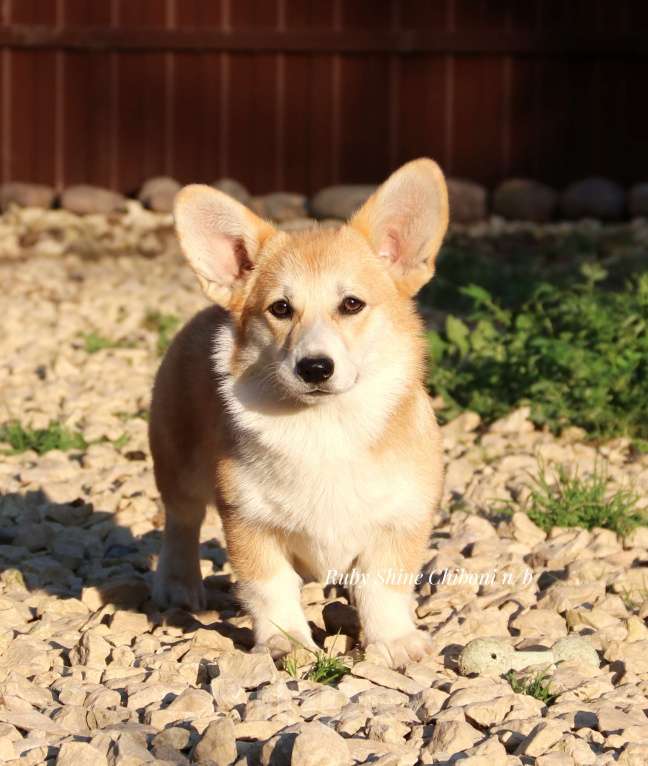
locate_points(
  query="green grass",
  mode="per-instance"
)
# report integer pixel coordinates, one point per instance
(325, 669)
(537, 687)
(565, 499)
(41, 440)
(576, 351)
(141, 414)
(165, 325)
(93, 342)
(22, 438)
(121, 441)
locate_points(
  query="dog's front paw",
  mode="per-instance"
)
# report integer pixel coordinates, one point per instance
(186, 594)
(411, 647)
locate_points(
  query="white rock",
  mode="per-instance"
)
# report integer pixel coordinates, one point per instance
(80, 754)
(249, 670)
(452, 737)
(227, 693)
(319, 745)
(217, 744)
(92, 650)
(383, 676)
(326, 701)
(542, 738)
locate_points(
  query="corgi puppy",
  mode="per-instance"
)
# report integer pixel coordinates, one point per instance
(297, 406)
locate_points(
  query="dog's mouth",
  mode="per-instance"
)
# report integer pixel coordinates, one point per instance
(319, 392)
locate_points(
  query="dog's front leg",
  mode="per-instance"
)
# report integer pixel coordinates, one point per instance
(268, 586)
(383, 597)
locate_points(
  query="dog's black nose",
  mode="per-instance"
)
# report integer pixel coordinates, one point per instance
(315, 369)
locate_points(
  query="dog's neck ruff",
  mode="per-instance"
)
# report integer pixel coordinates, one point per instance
(337, 425)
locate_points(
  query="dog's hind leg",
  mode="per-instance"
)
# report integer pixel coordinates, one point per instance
(178, 581)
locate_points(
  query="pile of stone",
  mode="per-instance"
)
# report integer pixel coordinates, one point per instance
(516, 199)
(93, 222)
(92, 673)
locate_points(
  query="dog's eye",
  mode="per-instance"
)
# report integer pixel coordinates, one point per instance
(351, 305)
(281, 309)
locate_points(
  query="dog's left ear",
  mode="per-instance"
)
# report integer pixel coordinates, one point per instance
(405, 221)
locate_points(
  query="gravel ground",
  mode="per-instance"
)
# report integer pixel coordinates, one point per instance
(92, 673)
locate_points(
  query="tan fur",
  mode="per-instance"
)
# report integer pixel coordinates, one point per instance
(306, 480)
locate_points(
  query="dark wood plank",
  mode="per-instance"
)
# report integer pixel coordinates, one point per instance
(197, 14)
(142, 92)
(35, 88)
(552, 118)
(306, 118)
(364, 129)
(479, 118)
(523, 118)
(611, 119)
(366, 14)
(88, 122)
(422, 127)
(321, 159)
(403, 41)
(254, 14)
(422, 14)
(309, 14)
(200, 81)
(632, 139)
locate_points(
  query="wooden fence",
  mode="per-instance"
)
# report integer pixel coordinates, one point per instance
(298, 94)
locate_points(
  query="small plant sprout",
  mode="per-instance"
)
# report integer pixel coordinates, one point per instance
(290, 665)
(537, 686)
(323, 669)
(93, 342)
(121, 441)
(165, 325)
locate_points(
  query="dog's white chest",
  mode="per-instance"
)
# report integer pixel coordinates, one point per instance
(327, 504)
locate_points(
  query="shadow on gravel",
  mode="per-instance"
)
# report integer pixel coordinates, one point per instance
(70, 550)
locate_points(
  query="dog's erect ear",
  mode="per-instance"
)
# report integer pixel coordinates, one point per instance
(405, 220)
(220, 238)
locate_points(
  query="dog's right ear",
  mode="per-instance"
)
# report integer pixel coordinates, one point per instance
(219, 237)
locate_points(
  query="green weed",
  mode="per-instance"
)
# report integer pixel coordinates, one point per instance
(93, 342)
(21, 438)
(141, 414)
(41, 440)
(165, 325)
(325, 669)
(291, 666)
(566, 499)
(577, 354)
(537, 687)
(121, 441)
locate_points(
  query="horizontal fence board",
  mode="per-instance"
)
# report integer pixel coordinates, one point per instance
(307, 40)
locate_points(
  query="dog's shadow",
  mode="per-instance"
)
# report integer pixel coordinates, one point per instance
(101, 563)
